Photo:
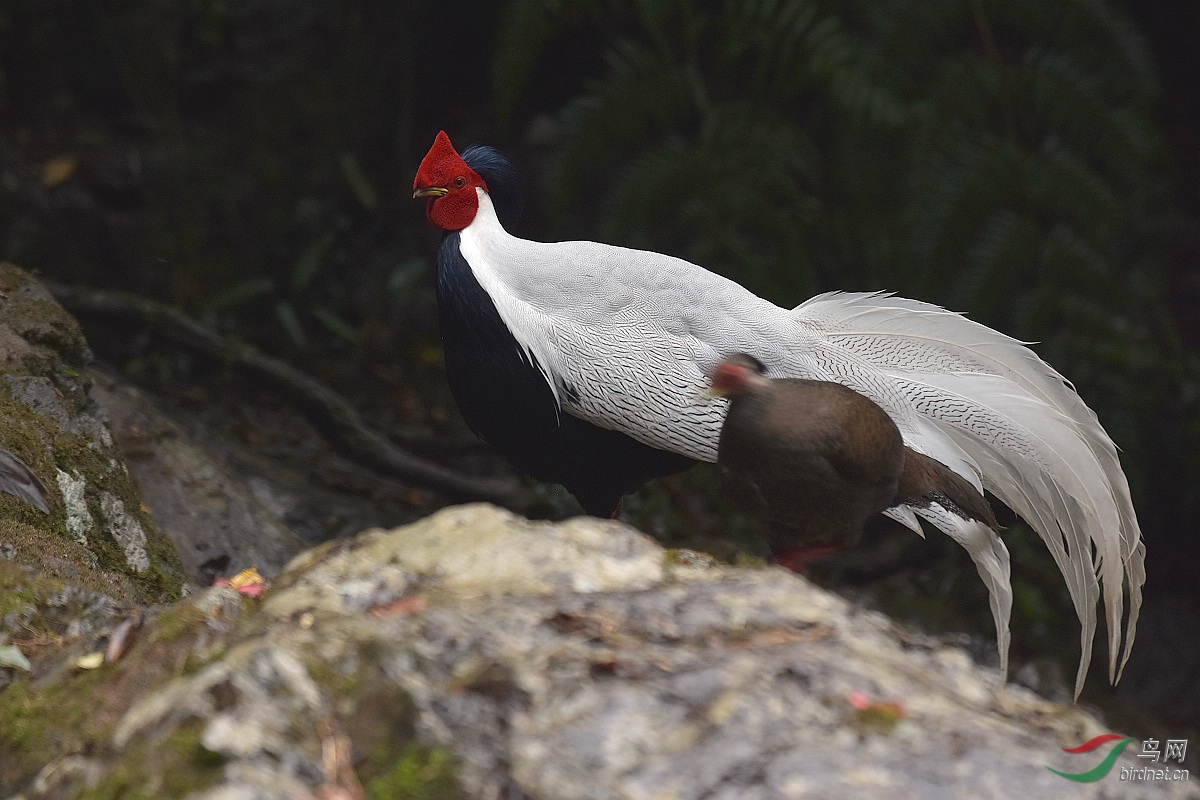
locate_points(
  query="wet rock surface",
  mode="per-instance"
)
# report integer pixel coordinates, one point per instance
(477, 654)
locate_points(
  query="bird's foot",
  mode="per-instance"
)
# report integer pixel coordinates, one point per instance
(798, 560)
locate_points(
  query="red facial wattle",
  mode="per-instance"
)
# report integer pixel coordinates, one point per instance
(449, 184)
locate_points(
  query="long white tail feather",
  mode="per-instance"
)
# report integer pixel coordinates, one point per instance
(1037, 446)
(991, 560)
(906, 517)
(928, 439)
(1135, 569)
(1081, 515)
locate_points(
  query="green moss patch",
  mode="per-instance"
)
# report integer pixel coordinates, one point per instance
(174, 623)
(397, 766)
(38, 725)
(175, 768)
(420, 773)
(57, 560)
(74, 711)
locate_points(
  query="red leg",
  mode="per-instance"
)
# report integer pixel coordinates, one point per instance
(617, 511)
(798, 560)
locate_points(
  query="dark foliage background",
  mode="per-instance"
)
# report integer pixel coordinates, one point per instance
(1033, 163)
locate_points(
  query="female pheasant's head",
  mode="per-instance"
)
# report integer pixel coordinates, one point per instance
(448, 184)
(736, 375)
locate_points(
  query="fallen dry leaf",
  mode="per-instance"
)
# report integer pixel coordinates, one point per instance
(90, 661)
(876, 715)
(773, 637)
(247, 582)
(409, 604)
(337, 762)
(123, 637)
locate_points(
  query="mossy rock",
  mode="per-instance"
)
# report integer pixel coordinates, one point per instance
(97, 532)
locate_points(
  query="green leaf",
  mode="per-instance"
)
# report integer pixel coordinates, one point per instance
(291, 323)
(521, 40)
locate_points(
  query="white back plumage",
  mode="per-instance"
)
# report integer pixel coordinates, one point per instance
(628, 339)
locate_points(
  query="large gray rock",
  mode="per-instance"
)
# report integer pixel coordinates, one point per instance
(476, 654)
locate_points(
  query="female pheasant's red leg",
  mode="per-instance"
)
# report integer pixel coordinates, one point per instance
(617, 511)
(798, 560)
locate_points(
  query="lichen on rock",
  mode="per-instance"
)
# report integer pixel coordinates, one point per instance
(79, 519)
(126, 530)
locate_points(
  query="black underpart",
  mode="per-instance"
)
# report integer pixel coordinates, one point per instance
(507, 401)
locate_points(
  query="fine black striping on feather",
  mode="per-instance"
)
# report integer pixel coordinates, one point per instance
(503, 395)
(569, 391)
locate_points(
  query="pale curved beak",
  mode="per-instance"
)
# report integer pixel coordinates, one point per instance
(432, 191)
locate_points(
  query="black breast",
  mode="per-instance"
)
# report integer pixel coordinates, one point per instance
(506, 400)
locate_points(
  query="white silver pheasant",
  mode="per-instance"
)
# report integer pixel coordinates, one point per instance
(587, 364)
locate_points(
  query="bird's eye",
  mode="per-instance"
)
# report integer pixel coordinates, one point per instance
(460, 182)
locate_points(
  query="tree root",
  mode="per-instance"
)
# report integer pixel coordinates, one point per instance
(352, 433)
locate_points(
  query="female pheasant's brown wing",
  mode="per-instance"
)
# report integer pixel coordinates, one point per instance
(813, 458)
(924, 479)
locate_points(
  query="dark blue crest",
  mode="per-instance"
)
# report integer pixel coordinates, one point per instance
(503, 182)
